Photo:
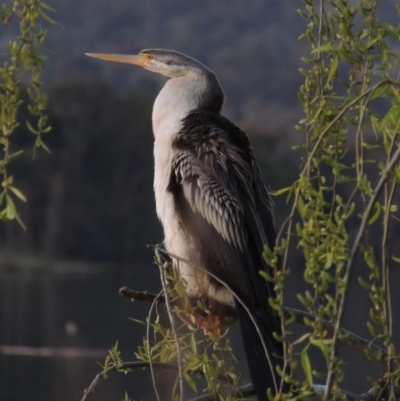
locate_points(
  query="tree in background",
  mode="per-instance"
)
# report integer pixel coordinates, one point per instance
(24, 65)
(343, 209)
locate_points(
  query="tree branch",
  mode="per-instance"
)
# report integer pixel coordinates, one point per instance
(163, 265)
(349, 339)
(127, 367)
(227, 311)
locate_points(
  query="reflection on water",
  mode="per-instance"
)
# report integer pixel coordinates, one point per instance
(54, 328)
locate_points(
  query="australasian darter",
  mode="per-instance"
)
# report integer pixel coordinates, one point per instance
(211, 200)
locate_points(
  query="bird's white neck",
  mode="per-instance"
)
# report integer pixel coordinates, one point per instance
(177, 98)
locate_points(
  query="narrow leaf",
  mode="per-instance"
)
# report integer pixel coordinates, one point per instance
(17, 193)
(396, 259)
(333, 68)
(280, 191)
(376, 214)
(325, 49)
(378, 92)
(306, 365)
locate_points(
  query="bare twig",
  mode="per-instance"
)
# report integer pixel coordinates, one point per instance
(227, 311)
(126, 367)
(153, 378)
(140, 295)
(163, 264)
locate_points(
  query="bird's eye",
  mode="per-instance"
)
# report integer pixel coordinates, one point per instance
(148, 56)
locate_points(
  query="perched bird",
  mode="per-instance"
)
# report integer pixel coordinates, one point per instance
(212, 202)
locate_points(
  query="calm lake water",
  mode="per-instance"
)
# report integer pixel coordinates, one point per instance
(50, 314)
(59, 314)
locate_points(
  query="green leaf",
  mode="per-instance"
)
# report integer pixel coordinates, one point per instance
(126, 398)
(379, 91)
(175, 386)
(364, 284)
(40, 144)
(393, 115)
(306, 365)
(138, 321)
(12, 212)
(280, 191)
(376, 214)
(325, 49)
(333, 69)
(190, 381)
(47, 18)
(17, 193)
(31, 128)
(14, 155)
(302, 338)
(107, 360)
(193, 344)
(371, 329)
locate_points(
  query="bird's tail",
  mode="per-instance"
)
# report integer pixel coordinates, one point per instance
(261, 372)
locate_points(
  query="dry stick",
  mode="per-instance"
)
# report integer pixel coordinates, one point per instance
(350, 263)
(157, 248)
(171, 316)
(153, 378)
(227, 311)
(387, 304)
(126, 366)
(139, 295)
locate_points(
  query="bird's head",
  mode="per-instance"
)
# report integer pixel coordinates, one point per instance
(166, 62)
(201, 83)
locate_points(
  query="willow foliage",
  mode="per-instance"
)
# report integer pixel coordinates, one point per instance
(349, 177)
(23, 65)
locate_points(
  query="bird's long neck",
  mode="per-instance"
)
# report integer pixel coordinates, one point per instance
(181, 95)
(177, 98)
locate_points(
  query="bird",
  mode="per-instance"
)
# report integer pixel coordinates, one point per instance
(214, 207)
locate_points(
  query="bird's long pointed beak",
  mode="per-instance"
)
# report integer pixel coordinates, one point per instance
(136, 59)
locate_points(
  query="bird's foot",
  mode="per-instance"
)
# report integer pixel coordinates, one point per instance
(211, 325)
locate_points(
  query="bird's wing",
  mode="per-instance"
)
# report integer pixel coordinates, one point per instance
(207, 197)
(218, 186)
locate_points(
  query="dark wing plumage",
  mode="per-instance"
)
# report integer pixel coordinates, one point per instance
(212, 201)
(224, 204)
(225, 209)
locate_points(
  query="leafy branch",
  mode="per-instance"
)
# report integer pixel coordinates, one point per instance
(25, 56)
